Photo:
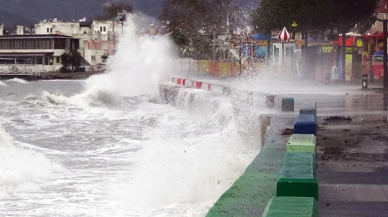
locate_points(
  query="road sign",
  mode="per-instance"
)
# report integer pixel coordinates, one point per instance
(283, 35)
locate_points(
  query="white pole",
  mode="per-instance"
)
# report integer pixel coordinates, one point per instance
(282, 52)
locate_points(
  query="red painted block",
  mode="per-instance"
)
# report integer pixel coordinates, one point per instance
(198, 85)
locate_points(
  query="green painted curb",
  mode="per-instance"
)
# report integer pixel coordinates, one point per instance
(249, 195)
(298, 176)
(291, 207)
(302, 143)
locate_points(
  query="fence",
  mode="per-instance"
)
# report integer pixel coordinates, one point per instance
(216, 69)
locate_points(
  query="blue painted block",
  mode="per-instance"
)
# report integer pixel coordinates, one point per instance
(305, 124)
(309, 111)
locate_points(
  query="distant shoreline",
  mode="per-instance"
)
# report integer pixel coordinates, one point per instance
(52, 76)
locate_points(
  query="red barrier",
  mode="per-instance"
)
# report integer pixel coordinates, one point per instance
(198, 85)
(180, 81)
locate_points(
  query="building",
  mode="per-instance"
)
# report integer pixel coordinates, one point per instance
(56, 26)
(49, 39)
(19, 30)
(29, 54)
(97, 39)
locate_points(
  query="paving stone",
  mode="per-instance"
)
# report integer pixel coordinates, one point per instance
(297, 178)
(305, 124)
(291, 207)
(302, 143)
(368, 193)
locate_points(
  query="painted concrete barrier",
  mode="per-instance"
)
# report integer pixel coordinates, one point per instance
(298, 176)
(291, 207)
(190, 83)
(309, 111)
(305, 124)
(284, 104)
(302, 143)
(250, 194)
(264, 99)
(288, 104)
(168, 93)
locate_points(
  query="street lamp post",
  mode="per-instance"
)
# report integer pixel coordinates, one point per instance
(294, 25)
(385, 51)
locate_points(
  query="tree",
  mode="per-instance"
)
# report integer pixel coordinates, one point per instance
(349, 12)
(66, 62)
(311, 14)
(194, 23)
(188, 15)
(194, 15)
(111, 9)
(71, 62)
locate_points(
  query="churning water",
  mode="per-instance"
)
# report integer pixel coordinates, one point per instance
(107, 147)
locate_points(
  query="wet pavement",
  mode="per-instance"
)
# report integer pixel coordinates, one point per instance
(352, 155)
(352, 159)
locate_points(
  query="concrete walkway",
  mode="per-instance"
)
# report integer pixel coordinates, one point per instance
(352, 156)
(352, 160)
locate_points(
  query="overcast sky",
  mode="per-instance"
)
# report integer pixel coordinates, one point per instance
(31, 11)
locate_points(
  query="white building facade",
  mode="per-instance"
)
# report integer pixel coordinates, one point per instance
(97, 39)
(33, 54)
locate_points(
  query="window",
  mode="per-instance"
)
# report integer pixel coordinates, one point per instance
(44, 44)
(104, 28)
(93, 58)
(18, 44)
(5, 44)
(100, 28)
(30, 44)
(49, 30)
(58, 59)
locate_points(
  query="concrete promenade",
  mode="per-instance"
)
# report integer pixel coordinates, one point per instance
(352, 159)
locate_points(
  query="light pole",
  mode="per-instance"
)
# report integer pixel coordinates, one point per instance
(385, 21)
(294, 25)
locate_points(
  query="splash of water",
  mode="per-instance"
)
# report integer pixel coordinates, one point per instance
(189, 156)
(139, 64)
(18, 80)
(22, 169)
